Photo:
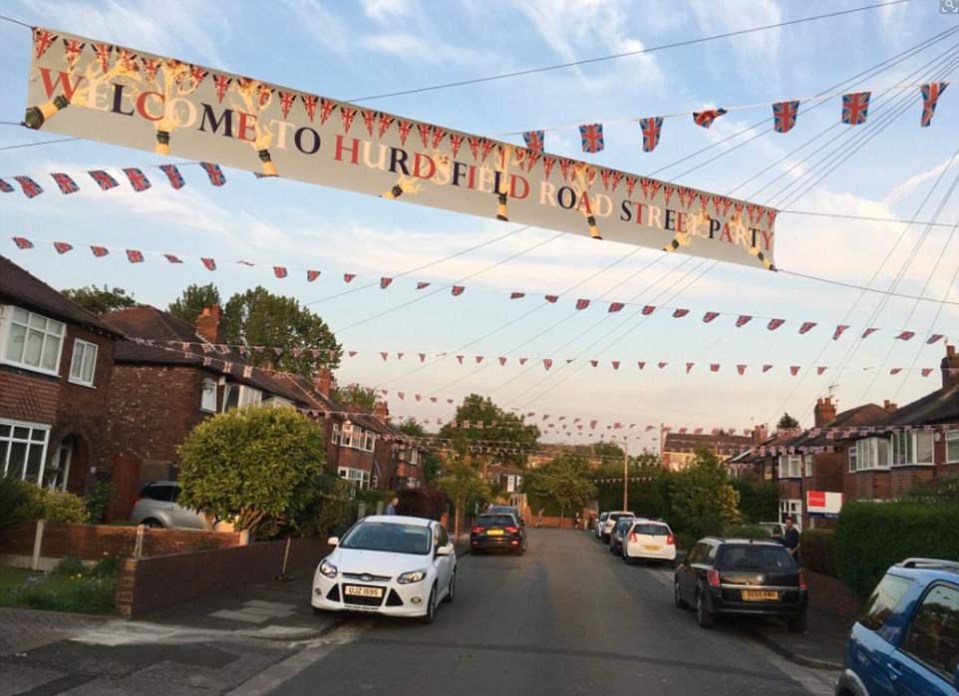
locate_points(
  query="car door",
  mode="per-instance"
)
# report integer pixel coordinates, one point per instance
(687, 579)
(927, 659)
(443, 564)
(184, 517)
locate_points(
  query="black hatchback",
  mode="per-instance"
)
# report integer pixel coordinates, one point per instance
(497, 532)
(739, 576)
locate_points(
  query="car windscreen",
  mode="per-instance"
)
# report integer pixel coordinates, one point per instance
(495, 521)
(618, 515)
(389, 537)
(623, 524)
(651, 529)
(755, 557)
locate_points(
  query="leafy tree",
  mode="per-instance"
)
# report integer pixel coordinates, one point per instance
(100, 300)
(258, 466)
(259, 318)
(758, 499)
(488, 422)
(608, 451)
(462, 483)
(564, 481)
(787, 422)
(356, 395)
(645, 495)
(193, 301)
(431, 461)
(703, 499)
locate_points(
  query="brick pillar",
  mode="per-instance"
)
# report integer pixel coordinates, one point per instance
(126, 581)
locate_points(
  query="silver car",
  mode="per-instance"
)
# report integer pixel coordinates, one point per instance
(157, 507)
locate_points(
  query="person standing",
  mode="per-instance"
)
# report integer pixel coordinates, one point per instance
(791, 538)
(391, 508)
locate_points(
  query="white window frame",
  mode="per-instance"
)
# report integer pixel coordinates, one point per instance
(247, 396)
(790, 466)
(81, 347)
(29, 441)
(808, 462)
(950, 437)
(869, 454)
(904, 446)
(336, 434)
(356, 477)
(7, 322)
(355, 437)
(205, 392)
(853, 457)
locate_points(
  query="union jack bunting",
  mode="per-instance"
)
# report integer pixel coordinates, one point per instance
(209, 263)
(615, 364)
(214, 172)
(714, 367)
(422, 284)
(385, 282)
(547, 363)
(42, 40)
(855, 108)
(784, 116)
(65, 182)
(775, 324)
(5, 187)
(312, 275)
(709, 316)
(517, 295)
(741, 369)
(535, 140)
(820, 370)
(592, 137)
(905, 335)
(689, 367)
(926, 371)
(552, 298)
(839, 331)
(806, 327)
(172, 258)
(457, 290)
(869, 332)
(31, 188)
(895, 370)
(138, 180)
(935, 338)
(680, 313)
(103, 179)
(582, 304)
(743, 320)
(616, 307)
(651, 127)
(706, 118)
(794, 370)
(99, 251)
(930, 97)
(280, 271)
(134, 256)
(767, 368)
(173, 174)
(594, 363)
(648, 309)
(62, 247)
(347, 277)
(22, 243)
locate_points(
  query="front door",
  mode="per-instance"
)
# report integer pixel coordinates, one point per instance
(57, 473)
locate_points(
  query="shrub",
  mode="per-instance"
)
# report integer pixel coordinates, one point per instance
(69, 565)
(758, 499)
(818, 551)
(107, 567)
(12, 496)
(422, 502)
(873, 536)
(52, 506)
(746, 531)
(98, 500)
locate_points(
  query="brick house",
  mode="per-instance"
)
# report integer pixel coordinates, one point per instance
(678, 449)
(160, 393)
(917, 442)
(56, 370)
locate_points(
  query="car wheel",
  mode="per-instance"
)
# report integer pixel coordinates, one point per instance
(151, 522)
(626, 559)
(678, 595)
(451, 590)
(797, 624)
(704, 617)
(430, 614)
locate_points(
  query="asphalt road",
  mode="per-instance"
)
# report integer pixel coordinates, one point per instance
(567, 618)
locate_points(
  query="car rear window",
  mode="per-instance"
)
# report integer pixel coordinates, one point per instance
(162, 492)
(754, 557)
(884, 600)
(651, 529)
(495, 521)
(618, 515)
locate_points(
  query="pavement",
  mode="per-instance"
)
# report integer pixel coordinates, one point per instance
(566, 618)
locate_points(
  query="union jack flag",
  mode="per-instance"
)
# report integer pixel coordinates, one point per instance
(934, 338)
(592, 137)
(552, 298)
(930, 97)
(99, 251)
(286, 103)
(775, 324)
(173, 174)
(72, 50)
(312, 275)
(648, 309)
(422, 284)
(151, 67)
(138, 179)
(103, 179)
(689, 368)
(214, 172)
(767, 368)
(547, 363)
(309, 105)
(457, 290)
(680, 313)
(5, 187)
(535, 140)
(67, 185)
(172, 258)
(743, 320)
(869, 332)
(706, 118)
(209, 263)
(347, 277)
(385, 283)
(794, 370)
(741, 369)
(517, 295)
(134, 256)
(31, 188)
(62, 247)
(709, 316)
(615, 364)
(42, 40)
(279, 271)
(714, 367)
(806, 326)
(784, 116)
(616, 306)
(839, 331)
(855, 108)
(103, 55)
(651, 128)
(906, 335)
(582, 304)
(820, 370)
(22, 243)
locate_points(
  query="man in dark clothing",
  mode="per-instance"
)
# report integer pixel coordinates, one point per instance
(791, 538)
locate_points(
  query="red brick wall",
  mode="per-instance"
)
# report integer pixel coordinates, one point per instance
(789, 489)
(902, 479)
(866, 485)
(353, 459)
(27, 396)
(828, 472)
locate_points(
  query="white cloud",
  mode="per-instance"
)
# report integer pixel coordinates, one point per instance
(386, 10)
(322, 24)
(414, 48)
(757, 52)
(905, 188)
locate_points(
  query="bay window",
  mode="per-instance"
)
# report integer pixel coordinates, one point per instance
(359, 478)
(23, 448)
(355, 437)
(31, 340)
(871, 454)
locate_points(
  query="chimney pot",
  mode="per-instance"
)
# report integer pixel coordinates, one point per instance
(323, 381)
(208, 324)
(950, 367)
(825, 411)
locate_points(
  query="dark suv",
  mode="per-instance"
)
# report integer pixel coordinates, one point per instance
(740, 576)
(497, 532)
(907, 639)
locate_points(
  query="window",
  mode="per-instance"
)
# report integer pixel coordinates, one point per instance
(852, 458)
(933, 636)
(336, 434)
(884, 600)
(368, 442)
(356, 437)
(789, 507)
(238, 395)
(872, 453)
(84, 362)
(161, 492)
(359, 478)
(208, 396)
(790, 466)
(32, 340)
(952, 446)
(250, 396)
(911, 448)
(23, 448)
(807, 472)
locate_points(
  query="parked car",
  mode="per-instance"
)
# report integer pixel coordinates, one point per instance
(611, 519)
(499, 532)
(157, 507)
(600, 523)
(388, 564)
(775, 529)
(741, 576)
(508, 510)
(649, 540)
(907, 639)
(620, 529)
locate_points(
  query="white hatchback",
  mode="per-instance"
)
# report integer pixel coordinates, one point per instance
(649, 540)
(387, 564)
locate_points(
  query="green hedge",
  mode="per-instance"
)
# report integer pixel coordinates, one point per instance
(873, 536)
(818, 551)
(746, 531)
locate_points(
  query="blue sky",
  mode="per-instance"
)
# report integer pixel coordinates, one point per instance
(352, 50)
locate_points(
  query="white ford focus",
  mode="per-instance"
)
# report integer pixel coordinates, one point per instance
(392, 565)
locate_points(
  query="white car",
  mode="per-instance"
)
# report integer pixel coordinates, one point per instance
(388, 564)
(600, 521)
(649, 540)
(611, 518)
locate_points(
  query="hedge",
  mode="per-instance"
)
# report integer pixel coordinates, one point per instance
(746, 531)
(818, 551)
(871, 537)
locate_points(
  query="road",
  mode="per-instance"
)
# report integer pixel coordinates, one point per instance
(567, 618)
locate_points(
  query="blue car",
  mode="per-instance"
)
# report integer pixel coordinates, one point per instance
(907, 640)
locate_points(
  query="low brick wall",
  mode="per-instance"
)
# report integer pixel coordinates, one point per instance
(552, 522)
(148, 585)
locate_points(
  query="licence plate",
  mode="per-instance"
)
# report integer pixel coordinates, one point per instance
(760, 595)
(360, 591)
(495, 532)
(651, 548)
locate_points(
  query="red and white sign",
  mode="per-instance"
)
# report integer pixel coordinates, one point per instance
(823, 503)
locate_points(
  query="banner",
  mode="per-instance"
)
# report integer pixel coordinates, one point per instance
(89, 89)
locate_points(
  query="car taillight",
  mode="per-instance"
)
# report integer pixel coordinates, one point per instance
(670, 541)
(632, 537)
(802, 581)
(712, 577)
(477, 530)
(512, 530)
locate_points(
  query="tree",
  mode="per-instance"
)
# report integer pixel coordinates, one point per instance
(758, 499)
(257, 466)
(645, 497)
(356, 395)
(462, 483)
(193, 301)
(431, 460)
(489, 423)
(259, 318)
(787, 422)
(702, 497)
(564, 481)
(100, 300)
(608, 451)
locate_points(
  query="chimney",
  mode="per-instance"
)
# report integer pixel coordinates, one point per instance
(208, 325)
(382, 411)
(760, 434)
(889, 407)
(950, 368)
(323, 381)
(825, 411)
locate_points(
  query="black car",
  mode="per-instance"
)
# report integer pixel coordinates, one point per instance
(497, 532)
(739, 576)
(620, 530)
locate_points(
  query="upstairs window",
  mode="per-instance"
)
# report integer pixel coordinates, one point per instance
(952, 446)
(84, 362)
(208, 396)
(32, 341)
(911, 448)
(872, 454)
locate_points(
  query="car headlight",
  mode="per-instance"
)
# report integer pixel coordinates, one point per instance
(328, 569)
(411, 577)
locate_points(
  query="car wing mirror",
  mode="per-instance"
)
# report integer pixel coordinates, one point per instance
(333, 541)
(444, 550)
